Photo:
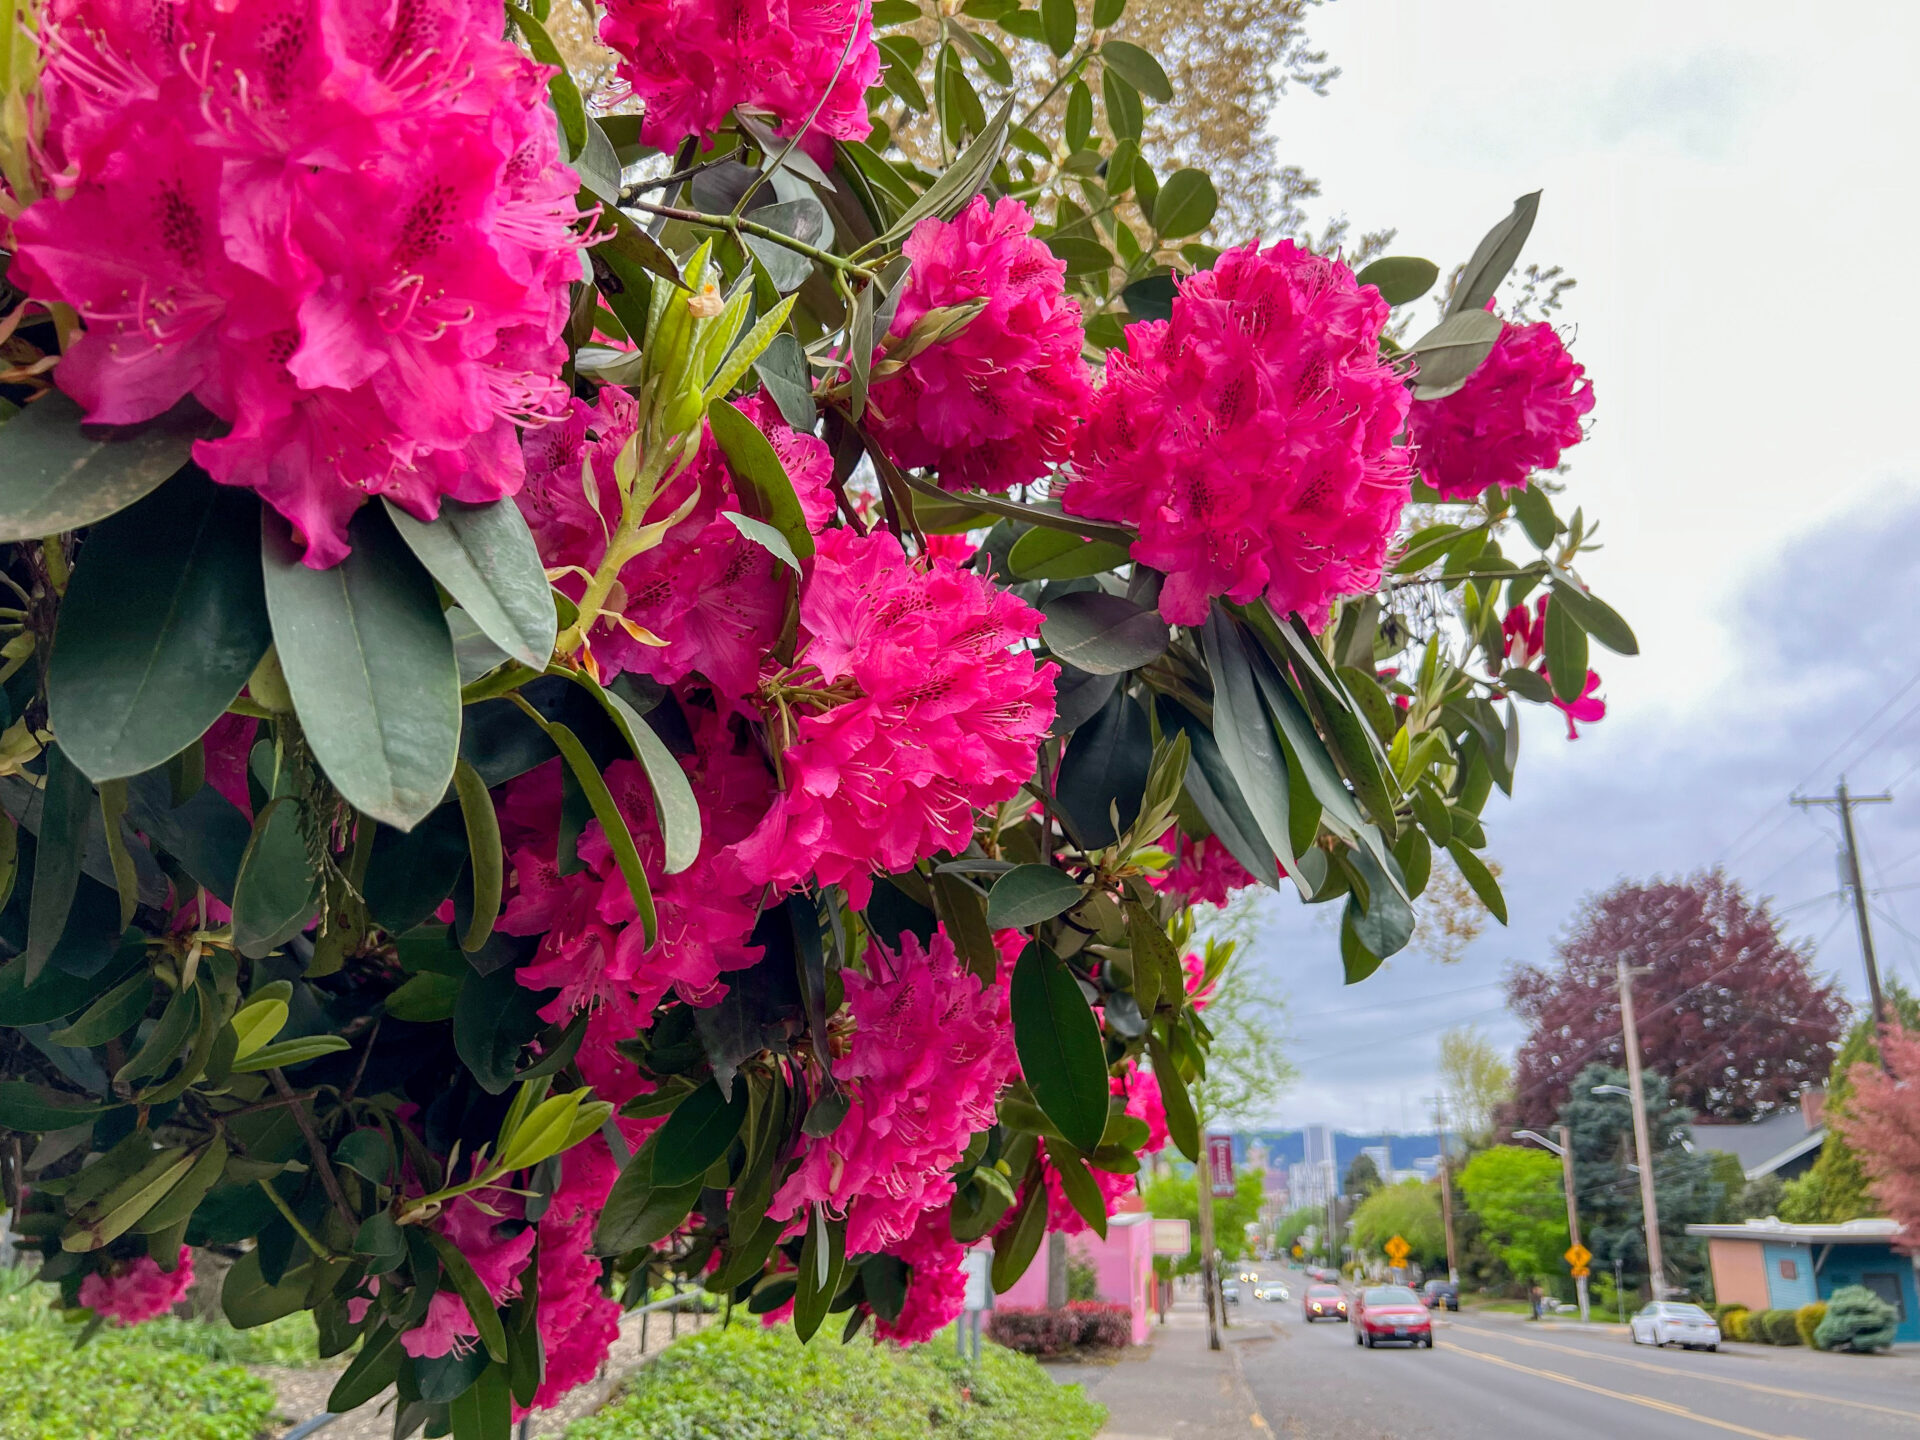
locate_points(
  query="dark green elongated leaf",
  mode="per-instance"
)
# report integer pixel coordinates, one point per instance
(1448, 354)
(1058, 21)
(963, 914)
(1306, 753)
(805, 219)
(380, 1240)
(483, 846)
(1058, 1042)
(1139, 69)
(29, 1108)
(374, 1368)
(1245, 735)
(161, 626)
(485, 557)
(368, 1153)
(1594, 616)
(207, 834)
(612, 822)
(1493, 257)
(1077, 698)
(1384, 921)
(1151, 298)
(459, 1270)
(1028, 894)
(1045, 554)
(674, 807)
(66, 807)
(1185, 205)
(1182, 1125)
(184, 1198)
(1474, 869)
(1107, 13)
(493, 1020)
(823, 1259)
(1431, 811)
(55, 475)
(1529, 685)
(1102, 634)
(1400, 279)
(57, 992)
(1352, 742)
(1566, 651)
(1157, 972)
(1103, 775)
(560, 86)
(1212, 788)
(102, 1221)
(484, 1410)
(765, 489)
(1079, 116)
(884, 1277)
(1016, 1244)
(1079, 1187)
(1535, 510)
(1084, 256)
(1414, 854)
(442, 1379)
(370, 664)
(113, 1014)
(698, 1133)
(278, 889)
(961, 181)
(1126, 118)
(782, 368)
(1357, 962)
(526, 1363)
(638, 1212)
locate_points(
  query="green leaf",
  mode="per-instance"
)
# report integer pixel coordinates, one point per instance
(1140, 70)
(102, 1221)
(1382, 920)
(1480, 878)
(1157, 973)
(411, 872)
(987, 55)
(1079, 116)
(1566, 651)
(1528, 685)
(1400, 279)
(1015, 1245)
(29, 1108)
(425, 999)
(484, 1410)
(112, 1015)
(184, 1198)
(1059, 1045)
(56, 476)
(1151, 297)
(65, 810)
(1494, 257)
(380, 1240)
(894, 12)
(674, 807)
(1059, 19)
(370, 663)
(637, 1212)
(1182, 1124)
(1107, 13)
(1245, 735)
(560, 85)
(289, 1053)
(1029, 894)
(959, 182)
(374, 1368)
(278, 890)
(1103, 634)
(256, 1023)
(485, 557)
(765, 489)
(1185, 205)
(1535, 510)
(1079, 1187)
(368, 1153)
(486, 1319)
(782, 368)
(493, 1020)
(161, 626)
(766, 537)
(1595, 617)
(1102, 778)
(823, 1259)
(1448, 354)
(1084, 256)
(698, 1133)
(1047, 554)
(247, 1300)
(483, 849)
(612, 822)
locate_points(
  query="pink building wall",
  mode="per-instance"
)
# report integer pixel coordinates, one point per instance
(1123, 1267)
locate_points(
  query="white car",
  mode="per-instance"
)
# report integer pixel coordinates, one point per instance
(1668, 1323)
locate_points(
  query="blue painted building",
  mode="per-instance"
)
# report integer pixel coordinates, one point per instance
(1771, 1265)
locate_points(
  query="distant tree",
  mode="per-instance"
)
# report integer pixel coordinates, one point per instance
(1450, 915)
(1835, 1189)
(1477, 1081)
(1730, 1013)
(1296, 1222)
(1684, 1189)
(1176, 1197)
(1881, 1126)
(1410, 1210)
(1362, 1179)
(1516, 1193)
(1760, 1198)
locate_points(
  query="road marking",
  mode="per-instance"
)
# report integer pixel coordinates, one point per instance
(1646, 1400)
(1695, 1374)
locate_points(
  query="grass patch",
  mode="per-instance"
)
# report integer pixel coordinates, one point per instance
(746, 1382)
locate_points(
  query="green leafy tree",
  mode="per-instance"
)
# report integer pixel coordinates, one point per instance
(1361, 1180)
(1177, 1197)
(1476, 1079)
(1517, 1194)
(1296, 1222)
(1410, 1210)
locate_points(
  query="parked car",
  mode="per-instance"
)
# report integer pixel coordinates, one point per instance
(1667, 1323)
(1230, 1291)
(1440, 1292)
(1391, 1312)
(1324, 1302)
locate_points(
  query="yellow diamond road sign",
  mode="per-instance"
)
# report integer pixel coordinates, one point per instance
(1397, 1249)
(1577, 1256)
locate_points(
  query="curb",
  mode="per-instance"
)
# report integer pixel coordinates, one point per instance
(1252, 1406)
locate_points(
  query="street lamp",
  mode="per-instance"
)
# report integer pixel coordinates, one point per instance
(1565, 1151)
(1649, 1211)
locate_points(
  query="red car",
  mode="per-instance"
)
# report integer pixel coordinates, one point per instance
(1391, 1312)
(1324, 1302)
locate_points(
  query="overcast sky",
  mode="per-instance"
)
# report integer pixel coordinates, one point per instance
(1732, 185)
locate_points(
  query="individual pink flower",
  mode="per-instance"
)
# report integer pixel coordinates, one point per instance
(1203, 871)
(1251, 439)
(909, 708)
(1515, 415)
(936, 1286)
(134, 1291)
(1000, 402)
(498, 1252)
(931, 1049)
(692, 61)
(706, 599)
(1524, 637)
(344, 229)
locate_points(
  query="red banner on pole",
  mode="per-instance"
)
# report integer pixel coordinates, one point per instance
(1220, 1165)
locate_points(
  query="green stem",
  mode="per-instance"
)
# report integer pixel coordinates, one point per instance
(737, 227)
(286, 1213)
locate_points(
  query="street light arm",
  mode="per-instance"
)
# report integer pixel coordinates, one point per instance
(1537, 1138)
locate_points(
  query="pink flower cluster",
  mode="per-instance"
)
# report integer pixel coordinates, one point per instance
(1203, 871)
(344, 228)
(498, 1252)
(1514, 416)
(930, 1050)
(910, 708)
(706, 599)
(998, 403)
(937, 1286)
(1251, 438)
(692, 61)
(138, 1290)
(1525, 636)
(1143, 1103)
(578, 1322)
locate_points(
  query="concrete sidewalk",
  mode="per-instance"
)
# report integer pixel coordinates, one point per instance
(1173, 1387)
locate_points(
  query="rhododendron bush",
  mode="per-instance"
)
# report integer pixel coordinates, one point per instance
(601, 689)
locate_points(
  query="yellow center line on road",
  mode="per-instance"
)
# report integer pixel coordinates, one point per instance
(1646, 1400)
(1695, 1374)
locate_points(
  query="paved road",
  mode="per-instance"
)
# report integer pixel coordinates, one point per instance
(1491, 1379)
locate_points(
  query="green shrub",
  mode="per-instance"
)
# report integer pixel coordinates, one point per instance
(1779, 1326)
(745, 1382)
(290, 1341)
(116, 1388)
(1733, 1325)
(1857, 1320)
(1807, 1320)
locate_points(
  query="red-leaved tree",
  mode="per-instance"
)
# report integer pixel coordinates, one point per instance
(1730, 1013)
(1881, 1125)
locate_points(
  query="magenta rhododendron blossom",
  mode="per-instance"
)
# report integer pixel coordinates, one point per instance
(1251, 439)
(692, 61)
(1514, 416)
(346, 229)
(937, 1286)
(497, 1247)
(998, 403)
(1203, 872)
(135, 1291)
(930, 1050)
(909, 707)
(578, 1322)
(1524, 634)
(707, 599)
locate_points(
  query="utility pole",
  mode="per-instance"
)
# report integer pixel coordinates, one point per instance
(1446, 1188)
(1573, 1214)
(1203, 1184)
(1843, 803)
(1642, 1144)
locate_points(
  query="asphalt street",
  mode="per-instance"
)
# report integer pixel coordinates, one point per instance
(1491, 1378)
